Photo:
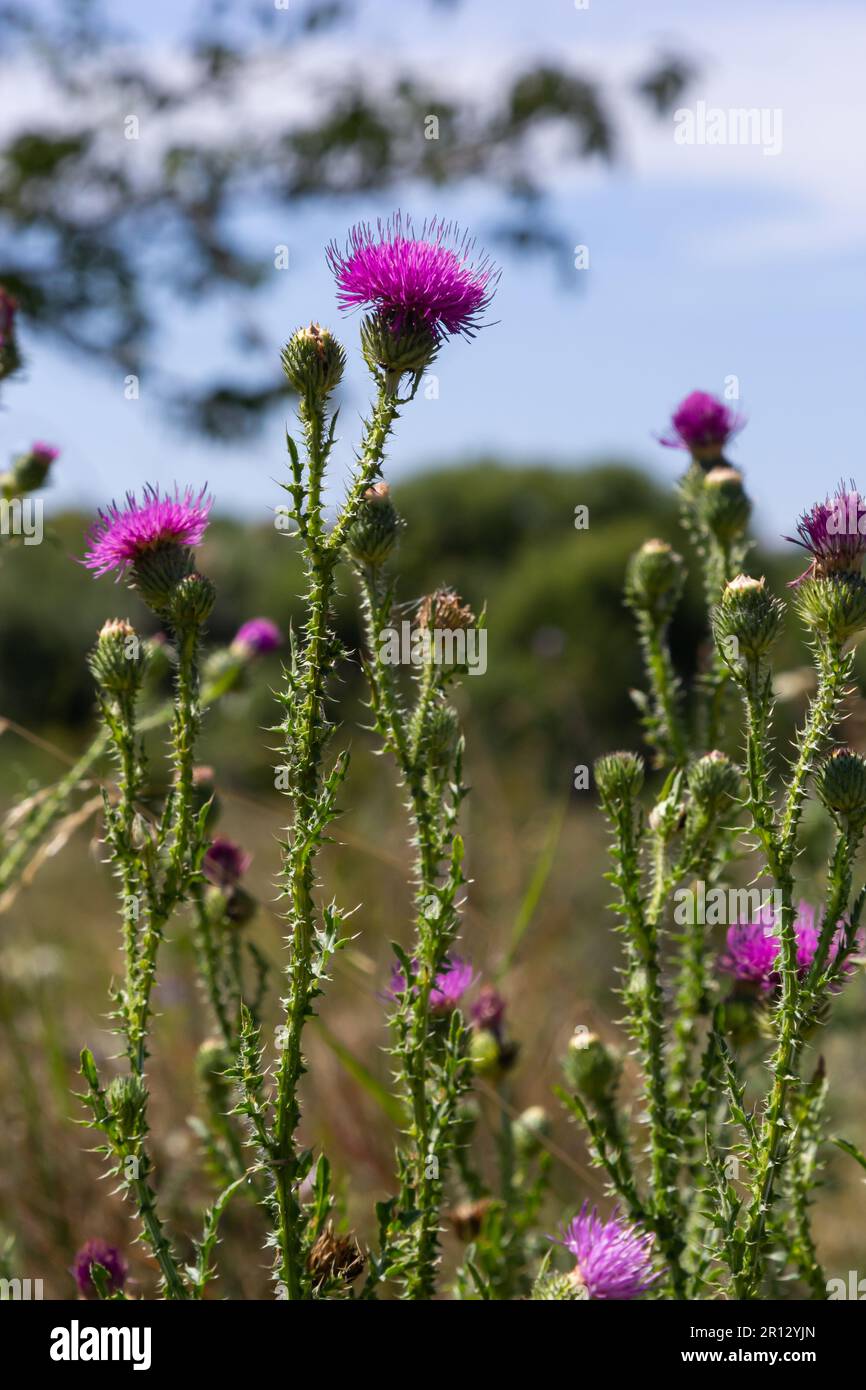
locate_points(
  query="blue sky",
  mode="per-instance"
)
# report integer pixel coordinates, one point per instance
(705, 263)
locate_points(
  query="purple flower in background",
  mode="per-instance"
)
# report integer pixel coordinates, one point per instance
(45, 453)
(753, 949)
(614, 1258)
(8, 307)
(410, 279)
(225, 863)
(99, 1252)
(257, 637)
(123, 535)
(751, 953)
(488, 1011)
(452, 982)
(703, 425)
(834, 534)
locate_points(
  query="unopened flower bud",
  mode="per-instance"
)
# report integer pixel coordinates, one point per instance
(530, 1130)
(193, 601)
(619, 777)
(376, 529)
(833, 605)
(118, 660)
(591, 1068)
(724, 507)
(126, 1101)
(750, 615)
(713, 780)
(313, 360)
(655, 578)
(841, 784)
(30, 470)
(484, 1052)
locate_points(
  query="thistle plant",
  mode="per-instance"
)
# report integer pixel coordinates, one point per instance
(416, 289)
(722, 1202)
(150, 543)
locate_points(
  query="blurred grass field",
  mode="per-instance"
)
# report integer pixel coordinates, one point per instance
(561, 659)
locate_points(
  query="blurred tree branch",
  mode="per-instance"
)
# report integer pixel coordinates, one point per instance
(90, 238)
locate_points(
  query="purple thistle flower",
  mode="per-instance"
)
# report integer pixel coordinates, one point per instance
(452, 982)
(702, 424)
(834, 534)
(614, 1258)
(225, 863)
(96, 1251)
(411, 280)
(488, 1011)
(257, 637)
(753, 949)
(122, 535)
(45, 453)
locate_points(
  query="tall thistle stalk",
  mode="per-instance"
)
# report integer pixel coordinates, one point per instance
(714, 1226)
(155, 861)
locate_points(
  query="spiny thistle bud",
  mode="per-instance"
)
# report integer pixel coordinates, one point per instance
(591, 1068)
(833, 605)
(212, 1059)
(126, 1101)
(484, 1052)
(748, 619)
(619, 777)
(118, 660)
(395, 350)
(654, 579)
(10, 358)
(29, 470)
(724, 507)
(376, 529)
(313, 360)
(529, 1131)
(337, 1257)
(441, 735)
(841, 784)
(467, 1218)
(714, 779)
(192, 601)
(556, 1288)
(443, 609)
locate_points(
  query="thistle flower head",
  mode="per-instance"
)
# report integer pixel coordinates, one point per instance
(833, 532)
(748, 616)
(152, 538)
(488, 1011)
(654, 579)
(313, 361)
(225, 863)
(376, 528)
(614, 1257)
(702, 424)
(753, 949)
(256, 637)
(443, 610)
(723, 504)
(592, 1068)
(335, 1257)
(99, 1252)
(451, 983)
(428, 279)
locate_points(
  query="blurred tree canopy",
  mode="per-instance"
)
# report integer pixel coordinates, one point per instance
(89, 235)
